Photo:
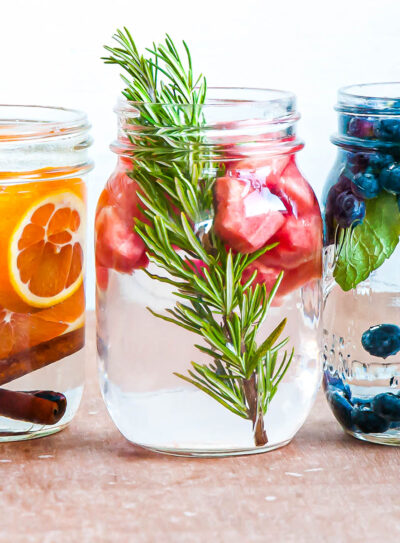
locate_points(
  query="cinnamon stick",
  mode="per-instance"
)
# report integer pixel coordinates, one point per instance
(41, 355)
(39, 407)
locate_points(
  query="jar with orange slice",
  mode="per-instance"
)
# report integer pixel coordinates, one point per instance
(43, 165)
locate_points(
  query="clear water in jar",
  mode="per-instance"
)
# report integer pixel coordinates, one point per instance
(152, 407)
(42, 304)
(363, 390)
(64, 376)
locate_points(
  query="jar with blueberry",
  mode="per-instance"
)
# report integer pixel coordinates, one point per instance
(361, 332)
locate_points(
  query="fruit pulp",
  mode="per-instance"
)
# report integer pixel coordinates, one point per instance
(42, 297)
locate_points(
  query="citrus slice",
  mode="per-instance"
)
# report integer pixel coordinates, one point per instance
(22, 331)
(46, 250)
(70, 312)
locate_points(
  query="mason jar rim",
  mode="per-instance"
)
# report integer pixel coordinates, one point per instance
(276, 95)
(236, 114)
(20, 122)
(370, 98)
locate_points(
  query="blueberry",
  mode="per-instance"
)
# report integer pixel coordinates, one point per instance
(382, 340)
(361, 128)
(388, 129)
(365, 185)
(332, 382)
(341, 408)
(377, 161)
(369, 422)
(362, 402)
(348, 210)
(387, 405)
(358, 162)
(343, 183)
(389, 179)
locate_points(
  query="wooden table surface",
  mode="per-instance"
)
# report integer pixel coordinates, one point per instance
(88, 484)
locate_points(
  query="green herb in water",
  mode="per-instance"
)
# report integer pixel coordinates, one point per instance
(176, 169)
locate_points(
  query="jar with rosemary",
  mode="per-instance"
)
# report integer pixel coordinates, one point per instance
(208, 263)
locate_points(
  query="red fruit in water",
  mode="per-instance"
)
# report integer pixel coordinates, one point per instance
(197, 266)
(300, 240)
(102, 277)
(246, 216)
(122, 193)
(260, 172)
(292, 279)
(118, 246)
(295, 192)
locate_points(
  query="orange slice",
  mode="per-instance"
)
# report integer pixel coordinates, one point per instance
(70, 312)
(46, 249)
(22, 331)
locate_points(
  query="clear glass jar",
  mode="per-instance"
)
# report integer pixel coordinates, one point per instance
(245, 151)
(361, 317)
(43, 164)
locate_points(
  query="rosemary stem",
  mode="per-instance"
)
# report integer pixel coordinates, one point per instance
(250, 388)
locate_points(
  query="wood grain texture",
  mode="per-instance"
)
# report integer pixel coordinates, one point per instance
(88, 484)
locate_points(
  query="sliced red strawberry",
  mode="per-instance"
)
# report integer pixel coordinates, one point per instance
(246, 217)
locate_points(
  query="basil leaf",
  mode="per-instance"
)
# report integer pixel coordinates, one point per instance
(370, 243)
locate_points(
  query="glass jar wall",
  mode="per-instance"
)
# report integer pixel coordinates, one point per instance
(43, 163)
(361, 265)
(193, 230)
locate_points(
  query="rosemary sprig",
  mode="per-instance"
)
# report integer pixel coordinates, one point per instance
(176, 172)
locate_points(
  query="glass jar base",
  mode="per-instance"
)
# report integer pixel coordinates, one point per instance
(35, 434)
(14, 430)
(378, 439)
(204, 453)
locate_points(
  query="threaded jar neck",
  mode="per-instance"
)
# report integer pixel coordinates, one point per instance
(37, 141)
(251, 121)
(369, 116)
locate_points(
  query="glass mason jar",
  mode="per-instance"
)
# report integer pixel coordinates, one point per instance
(43, 163)
(361, 317)
(228, 188)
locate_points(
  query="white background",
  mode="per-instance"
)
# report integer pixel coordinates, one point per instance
(50, 54)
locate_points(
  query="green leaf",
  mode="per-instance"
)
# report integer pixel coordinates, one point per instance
(211, 393)
(266, 346)
(369, 244)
